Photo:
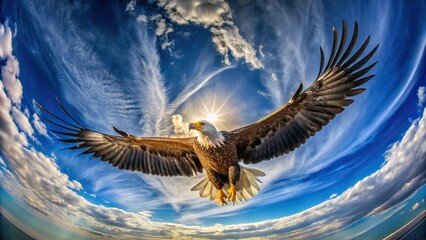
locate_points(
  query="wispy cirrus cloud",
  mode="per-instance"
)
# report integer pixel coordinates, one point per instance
(287, 49)
(151, 87)
(139, 75)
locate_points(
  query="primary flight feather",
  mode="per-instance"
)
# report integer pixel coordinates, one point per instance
(219, 152)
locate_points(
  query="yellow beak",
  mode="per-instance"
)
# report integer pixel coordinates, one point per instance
(195, 125)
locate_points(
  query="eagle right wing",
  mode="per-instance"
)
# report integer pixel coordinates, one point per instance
(151, 155)
(308, 111)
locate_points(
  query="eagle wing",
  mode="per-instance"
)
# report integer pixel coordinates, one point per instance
(151, 155)
(307, 112)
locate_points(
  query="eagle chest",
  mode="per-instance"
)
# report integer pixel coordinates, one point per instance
(218, 159)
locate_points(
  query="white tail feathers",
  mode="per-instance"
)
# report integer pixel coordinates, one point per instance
(247, 187)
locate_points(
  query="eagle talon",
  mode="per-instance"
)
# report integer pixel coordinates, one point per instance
(232, 193)
(221, 197)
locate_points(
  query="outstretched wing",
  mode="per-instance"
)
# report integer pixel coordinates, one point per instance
(153, 155)
(308, 111)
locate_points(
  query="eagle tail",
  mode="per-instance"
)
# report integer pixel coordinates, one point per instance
(247, 187)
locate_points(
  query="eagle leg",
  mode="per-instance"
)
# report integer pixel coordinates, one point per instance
(221, 197)
(233, 175)
(232, 194)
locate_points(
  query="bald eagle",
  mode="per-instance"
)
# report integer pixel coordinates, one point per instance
(219, 153)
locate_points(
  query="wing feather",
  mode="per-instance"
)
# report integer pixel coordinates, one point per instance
(322, 62)
(151, 155)
(342, 43)
(308, 111)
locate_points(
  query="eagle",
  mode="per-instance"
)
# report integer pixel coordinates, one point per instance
(219, 153)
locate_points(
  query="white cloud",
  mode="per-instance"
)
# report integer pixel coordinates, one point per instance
(333, 195)
(261, 53)
(37, 180)
(75, 185)
(142, 18)
(264, 94)
(421, 94)
(167, 45)
(131, 6)
(163, 29)
(39, 125)
(5, 40)
(22, 121)
(180, 127)
(12, 84)
(415, 206)
(217, 17)
(274, 77)
(7, 122)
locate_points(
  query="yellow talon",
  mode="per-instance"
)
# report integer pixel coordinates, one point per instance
(232, 193)
(221, 196)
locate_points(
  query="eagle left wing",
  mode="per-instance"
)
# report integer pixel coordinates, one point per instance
(151, 155)
(307, 112)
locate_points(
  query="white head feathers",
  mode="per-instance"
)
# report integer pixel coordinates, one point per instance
(208, 135)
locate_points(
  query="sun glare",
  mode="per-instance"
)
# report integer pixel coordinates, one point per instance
(211, 117)
(215, 108)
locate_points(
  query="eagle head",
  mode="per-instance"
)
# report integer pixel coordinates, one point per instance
(208, 135)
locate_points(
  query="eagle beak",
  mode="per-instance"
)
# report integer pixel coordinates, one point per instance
(196, 126)
(191, 126)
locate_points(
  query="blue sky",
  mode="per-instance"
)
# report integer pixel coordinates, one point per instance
(134, 65)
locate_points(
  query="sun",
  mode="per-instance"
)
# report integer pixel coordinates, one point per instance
(217, 107)
(211, 117)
